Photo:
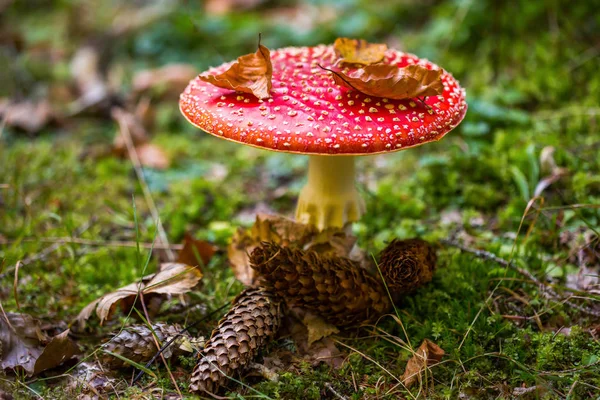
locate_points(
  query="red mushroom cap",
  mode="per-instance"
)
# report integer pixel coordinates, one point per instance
(308, 113)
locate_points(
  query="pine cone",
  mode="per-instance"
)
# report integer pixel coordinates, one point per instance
(137, 344)
(335, 288)
(406, 265)
(252, 321)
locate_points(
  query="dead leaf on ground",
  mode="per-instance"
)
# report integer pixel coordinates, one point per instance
(91, 84)
(322, 350)
(196, 252)
(25, 346)
(173, 278)
(152, 156)
(222, 7)
(317, 328)
(28, 115)
(358, 51)
(251, 73)
(392, 82)
(169, 80)
(427, 355)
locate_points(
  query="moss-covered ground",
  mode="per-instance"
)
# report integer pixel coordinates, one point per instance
(531, 74)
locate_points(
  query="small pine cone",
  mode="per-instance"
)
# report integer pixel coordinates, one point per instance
(253, 320)
(406, 265)
(335, 288)
(137, 344)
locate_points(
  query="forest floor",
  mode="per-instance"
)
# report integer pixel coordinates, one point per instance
(519, 179)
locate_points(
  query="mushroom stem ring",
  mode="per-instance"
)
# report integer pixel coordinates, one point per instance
(330, 198)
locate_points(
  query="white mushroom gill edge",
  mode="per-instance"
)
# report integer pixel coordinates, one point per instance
(330, 198)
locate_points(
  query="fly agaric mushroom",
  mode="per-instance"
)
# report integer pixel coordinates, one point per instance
(307, 113)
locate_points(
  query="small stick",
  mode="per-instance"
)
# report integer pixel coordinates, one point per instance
(119, 115)
(102, 243)
(329, 387)
(546, 291)
(44, 253)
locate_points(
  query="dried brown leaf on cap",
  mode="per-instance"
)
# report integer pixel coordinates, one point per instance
(173, 278)
(251, 73)
(25, 346)
(427, 355)
(392, 82)
(358, 51)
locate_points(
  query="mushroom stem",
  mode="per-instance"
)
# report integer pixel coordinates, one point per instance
(330, 198)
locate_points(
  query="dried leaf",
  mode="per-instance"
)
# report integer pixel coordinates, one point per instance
(353, 51)
(27, 115)
(223, 7)
(322, 350)
(60, 349)
(174, 278)
(152, 156)
(317, 328)
(427, 355)
(250, 74)
(91, 84)
(195, 252)
(25, 346)
(392, 82)
(169, 80)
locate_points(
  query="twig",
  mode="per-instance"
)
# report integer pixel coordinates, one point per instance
(120, 116)
(44, 253)
(92, 242)
(329, 387)
(545, 290)
(15, 284)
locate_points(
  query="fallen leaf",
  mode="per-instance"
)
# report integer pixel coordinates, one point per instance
(320, 351)
(25, 346)
(392, 82)
(169, 80)
(222, 7)
(90, 82)
(427, 355)
(195, 252)
(250, 74)
(27, 115)
(60, 349)
(173, 278)
(152, 156)
(353, 51)
(317, 328)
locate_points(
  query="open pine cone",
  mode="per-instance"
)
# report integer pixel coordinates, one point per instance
(406, 265)
(335, 288)
(253, 320)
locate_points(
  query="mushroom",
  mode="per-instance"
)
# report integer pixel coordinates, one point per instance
(308, 113)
